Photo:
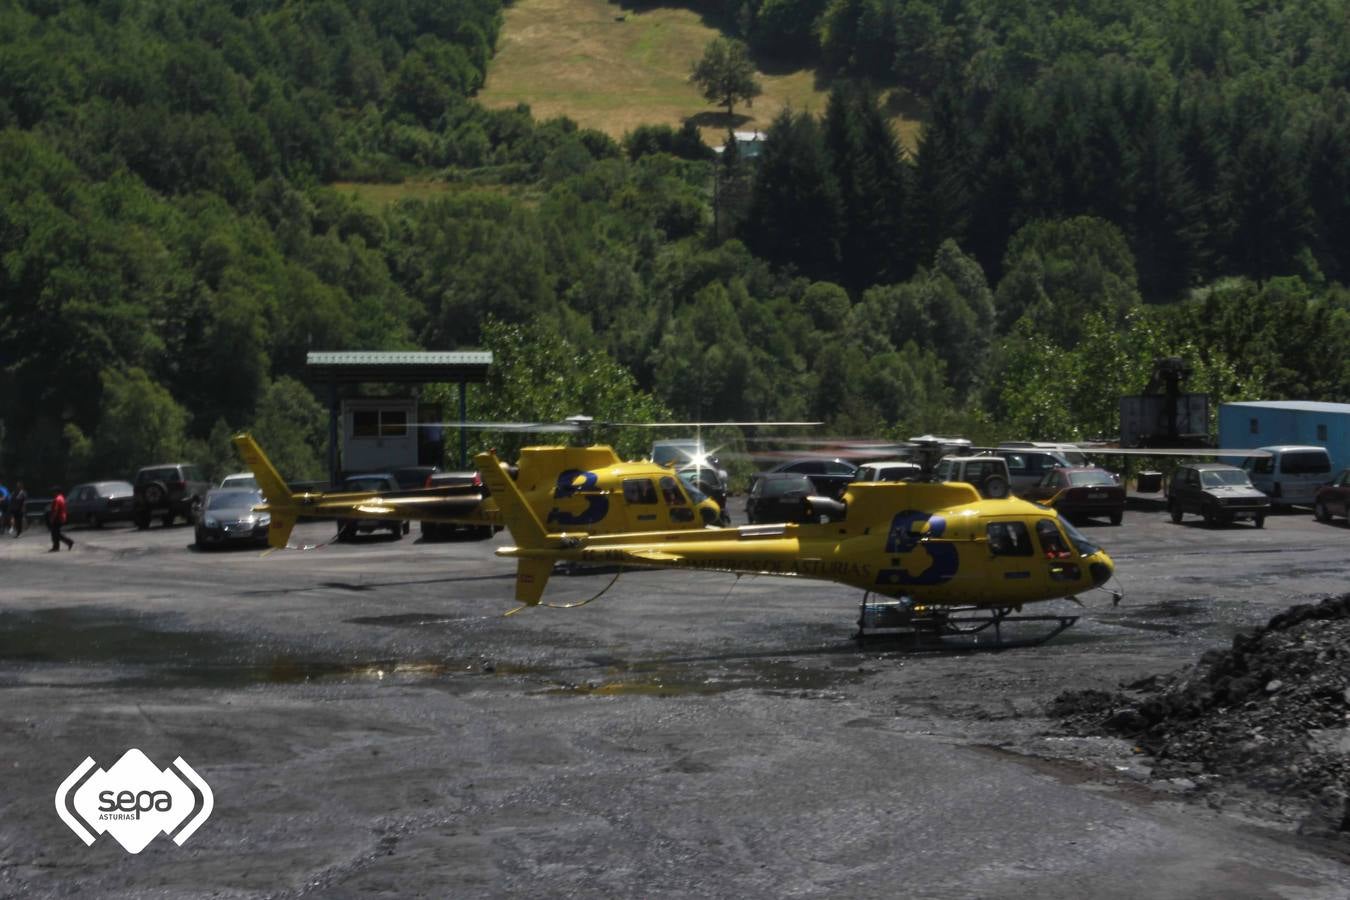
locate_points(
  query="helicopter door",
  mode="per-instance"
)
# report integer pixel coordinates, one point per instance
(1056, 552)
(1016, 568)
(679, 511)
(643, 505)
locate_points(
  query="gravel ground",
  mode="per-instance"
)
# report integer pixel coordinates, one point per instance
(371, 725)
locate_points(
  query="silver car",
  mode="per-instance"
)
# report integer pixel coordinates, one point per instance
(228, 518)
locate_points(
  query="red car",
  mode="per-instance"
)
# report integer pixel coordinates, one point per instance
(1078, 491)
(1333, 499)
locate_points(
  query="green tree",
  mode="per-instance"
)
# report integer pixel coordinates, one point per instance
(141, 425)
(292, 428)
(726, 74)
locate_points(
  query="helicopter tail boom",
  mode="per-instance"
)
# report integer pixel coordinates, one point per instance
(280, 501)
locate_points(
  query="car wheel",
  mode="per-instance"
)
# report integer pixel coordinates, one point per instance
(1117, 518)
(407, 527)
(1210, 518)
(1321, 512)
(154, 494)
(344, 531)
(995, 488)
(1175, 509)
(1260, 521)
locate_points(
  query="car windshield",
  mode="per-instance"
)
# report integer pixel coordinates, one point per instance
(666, 454)
(233, 500)
(778, 487)
(1222, 477)
(1088, 479)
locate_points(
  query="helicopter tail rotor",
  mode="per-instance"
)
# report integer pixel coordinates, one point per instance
(280, 501)
(534, 563)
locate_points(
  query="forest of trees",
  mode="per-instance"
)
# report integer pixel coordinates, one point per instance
(1095, 185)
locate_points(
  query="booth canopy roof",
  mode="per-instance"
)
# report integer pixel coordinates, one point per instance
(409, 367)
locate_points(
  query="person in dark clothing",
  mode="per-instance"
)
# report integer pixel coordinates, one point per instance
(56, 517)
(18, 508)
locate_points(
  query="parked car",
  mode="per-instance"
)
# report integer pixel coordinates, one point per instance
(989, 474)
(240, 480)
(371, 483)
(1291, 475)
(1333, 499)
(1219, 492)
(781, 497)
(169, 490)
(829, 477)
(1080, 491)
(409, 477)
(227, 517)
(99, 502)
(1028, 461)
(35, 512)
(890, 470)
(455, 485)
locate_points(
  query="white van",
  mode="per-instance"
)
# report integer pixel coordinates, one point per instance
(1291, 474)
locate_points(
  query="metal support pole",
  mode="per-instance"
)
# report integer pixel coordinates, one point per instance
(463, 414)
(332, 433)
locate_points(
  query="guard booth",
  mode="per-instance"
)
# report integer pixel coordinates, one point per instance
(367, 433)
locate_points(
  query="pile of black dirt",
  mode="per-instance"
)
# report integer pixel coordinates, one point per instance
(1269, 715)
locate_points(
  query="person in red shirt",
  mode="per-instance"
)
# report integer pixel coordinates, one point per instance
(56, 517)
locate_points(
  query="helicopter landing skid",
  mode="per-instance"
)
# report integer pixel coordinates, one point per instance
(929, 627)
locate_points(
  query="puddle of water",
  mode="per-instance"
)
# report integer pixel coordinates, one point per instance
(666, 679)
(147, 651)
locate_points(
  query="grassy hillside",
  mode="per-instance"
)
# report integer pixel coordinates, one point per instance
(614, 69)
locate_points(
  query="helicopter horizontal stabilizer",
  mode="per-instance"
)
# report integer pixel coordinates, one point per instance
(280, 500)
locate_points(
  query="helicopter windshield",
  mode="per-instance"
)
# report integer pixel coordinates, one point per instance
(1085, 547)
(689, 479)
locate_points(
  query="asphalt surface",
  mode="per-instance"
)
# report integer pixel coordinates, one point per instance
(371, 725)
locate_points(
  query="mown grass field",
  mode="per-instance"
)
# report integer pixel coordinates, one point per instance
(612, 69)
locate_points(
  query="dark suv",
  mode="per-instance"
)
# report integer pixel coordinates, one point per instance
(169, 491)
(1220, 493)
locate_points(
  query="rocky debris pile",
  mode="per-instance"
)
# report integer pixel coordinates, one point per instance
(1270, 715)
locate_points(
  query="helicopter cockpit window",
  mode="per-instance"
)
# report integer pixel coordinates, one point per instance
(1008, 539)
(1052, 542)
(1085, 547)
(671, 492)
(639, 490)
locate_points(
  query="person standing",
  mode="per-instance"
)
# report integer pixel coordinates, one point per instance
(4, 509)
(56, 517)
(18, 507)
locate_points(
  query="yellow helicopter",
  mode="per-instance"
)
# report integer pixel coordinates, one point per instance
(574, 489)
(948, 561)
